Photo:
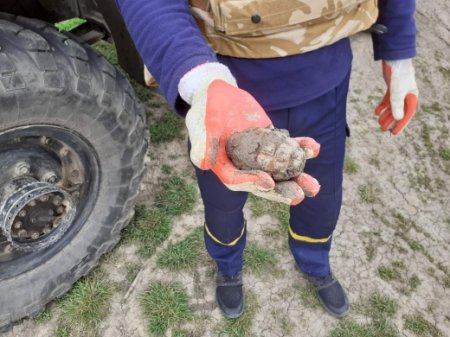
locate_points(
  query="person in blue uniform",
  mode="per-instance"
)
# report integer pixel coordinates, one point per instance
(304, 93)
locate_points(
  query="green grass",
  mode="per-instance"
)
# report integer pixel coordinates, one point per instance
(378, 328)
(240, 327)
(87, 303)
(260, 260)
(177, 196)
(70, 24)
(417, 324)
(183, 255)
(108, 50)
(350, 166)
(149, 228)
(379, 306)
(389, 273)
(43, 317)
(167, 128)
(61, 331)
(368, 193)
(444, 152)
(308, 297)
(260, 206)
(371, 250)
(132, 271)
(165, 305)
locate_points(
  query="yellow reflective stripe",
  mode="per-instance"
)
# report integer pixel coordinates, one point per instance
(232, 243)
(307, 238)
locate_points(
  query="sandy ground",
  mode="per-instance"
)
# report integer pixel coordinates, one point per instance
(408, 177)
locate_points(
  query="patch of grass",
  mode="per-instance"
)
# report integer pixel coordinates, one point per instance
(166, 169)
(389, 274)
(350, 166)
(132, 271)
(150, 228)
(87, 303)
(177, 196)
(379, 306)
(410, 285)
(169, 127)
(287, 326)
(61, 331)
(378, 328)
(371, 250)
(165, 305)
(417, 324)
(240, 327)
(70, 24)
(444, 152)
(368, 193)
(183, 255)
(308, 297)
(108, 50)
(426, 138)
(180, 333)
(43, 317)
(260, 206)
(260, 260)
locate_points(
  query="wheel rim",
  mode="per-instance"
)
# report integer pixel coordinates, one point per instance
(49, 183)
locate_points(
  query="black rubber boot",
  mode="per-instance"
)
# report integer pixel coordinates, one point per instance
(229, 295)
(331, 295)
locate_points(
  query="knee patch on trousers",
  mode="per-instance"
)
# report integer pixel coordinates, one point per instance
(304, 238)
(225, 239)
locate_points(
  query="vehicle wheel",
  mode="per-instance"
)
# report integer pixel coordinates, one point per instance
(72, 146)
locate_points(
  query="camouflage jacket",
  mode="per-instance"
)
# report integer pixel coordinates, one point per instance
(274, 28)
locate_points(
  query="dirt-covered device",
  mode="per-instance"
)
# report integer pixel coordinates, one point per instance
(72, 147)
(269, 150)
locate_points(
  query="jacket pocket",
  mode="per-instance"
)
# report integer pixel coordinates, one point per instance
(261, 17)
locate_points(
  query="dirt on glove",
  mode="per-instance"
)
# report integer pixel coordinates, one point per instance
(269, 150)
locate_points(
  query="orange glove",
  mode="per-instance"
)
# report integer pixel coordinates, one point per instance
(218, 109)
(400, 101)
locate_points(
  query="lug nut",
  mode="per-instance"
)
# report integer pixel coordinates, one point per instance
(22, 234)
(50, 177)
(22, 213)
(44, 198)
(22, 168)
(47, 141)
(34, 235)
(60, 210)
(32, 203)
(47, 229)
(57, 201)
(18, 225)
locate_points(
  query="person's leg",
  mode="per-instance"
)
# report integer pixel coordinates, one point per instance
(225, 237)
(313, 221)
(225, 233)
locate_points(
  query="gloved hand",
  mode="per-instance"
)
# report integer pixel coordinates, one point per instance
(218, 109)
(400, 101)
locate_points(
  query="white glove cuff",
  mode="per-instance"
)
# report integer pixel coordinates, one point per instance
(200, 77)
(401, 67)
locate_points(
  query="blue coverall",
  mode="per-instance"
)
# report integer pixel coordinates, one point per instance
(305, 94)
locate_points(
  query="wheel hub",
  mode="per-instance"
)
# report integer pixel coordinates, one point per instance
(34, 214)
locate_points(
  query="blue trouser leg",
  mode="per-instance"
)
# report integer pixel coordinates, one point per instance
(225, 232)
(311, 222)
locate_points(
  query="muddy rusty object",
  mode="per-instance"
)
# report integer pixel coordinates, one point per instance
(269, 150)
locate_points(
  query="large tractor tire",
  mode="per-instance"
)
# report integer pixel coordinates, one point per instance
(72, 147)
